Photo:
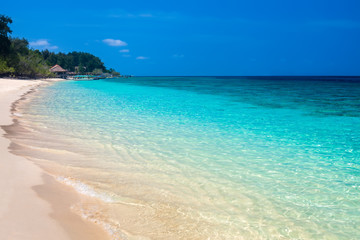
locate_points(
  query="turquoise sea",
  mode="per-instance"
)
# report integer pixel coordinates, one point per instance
(204, 157)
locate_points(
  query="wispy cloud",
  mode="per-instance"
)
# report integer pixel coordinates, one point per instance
(114, 42)
(123, 14)
(124, 51)
(42, 44)
(120, 13)
(81, 25)
(336, 23)
(142, 58)
(178, 56)
(146, 15)
(126, 55)
(52, 47)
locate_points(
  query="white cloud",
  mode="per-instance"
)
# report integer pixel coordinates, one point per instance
(42, 44)
(124, 50)
(142, 58)
(114, 42)
(126, 55)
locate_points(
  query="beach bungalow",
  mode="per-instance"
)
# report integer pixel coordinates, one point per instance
(59, 71)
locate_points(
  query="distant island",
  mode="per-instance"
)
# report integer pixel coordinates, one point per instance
(18, 60)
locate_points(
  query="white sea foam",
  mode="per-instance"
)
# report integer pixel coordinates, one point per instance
(17, 114)
(84, 188)
(111, 227)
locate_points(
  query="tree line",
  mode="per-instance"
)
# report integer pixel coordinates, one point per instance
(17, 59)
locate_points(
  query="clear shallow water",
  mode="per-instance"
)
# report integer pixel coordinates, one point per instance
(205, 157)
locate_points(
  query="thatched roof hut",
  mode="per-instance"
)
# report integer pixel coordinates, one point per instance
(57, 69)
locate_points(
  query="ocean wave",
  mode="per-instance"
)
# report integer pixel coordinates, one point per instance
(84, 189)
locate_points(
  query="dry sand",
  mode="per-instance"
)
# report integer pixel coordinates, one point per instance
(33, 206)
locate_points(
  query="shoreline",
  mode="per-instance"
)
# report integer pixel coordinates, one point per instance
(33, 204)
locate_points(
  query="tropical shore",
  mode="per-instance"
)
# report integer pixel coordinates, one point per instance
(33, 205)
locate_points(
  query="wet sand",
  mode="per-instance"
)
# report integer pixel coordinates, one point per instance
(33, 205)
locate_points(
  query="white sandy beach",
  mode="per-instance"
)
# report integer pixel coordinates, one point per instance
(33, 206)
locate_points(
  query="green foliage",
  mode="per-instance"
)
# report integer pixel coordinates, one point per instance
(115, 74)
(17, 59)
(4, 31)
(80, 69)
(5, 69)
(19, 45)
(80, 62)
(97, 71)
(32, 65)
(4, 25)
(23, 61)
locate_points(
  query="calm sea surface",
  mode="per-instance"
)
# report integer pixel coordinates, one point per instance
(204, 157)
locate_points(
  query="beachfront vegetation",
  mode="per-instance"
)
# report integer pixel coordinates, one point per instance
(18, 59)
(81, 62)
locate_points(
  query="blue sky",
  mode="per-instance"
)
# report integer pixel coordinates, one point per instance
(198, 37)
